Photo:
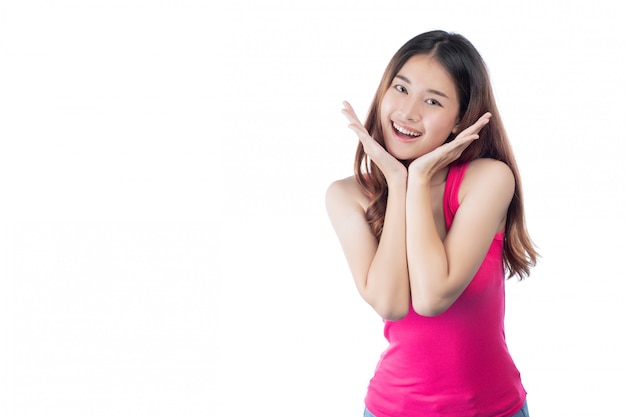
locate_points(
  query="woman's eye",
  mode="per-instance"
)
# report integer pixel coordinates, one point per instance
(400, 88)
(433, 102)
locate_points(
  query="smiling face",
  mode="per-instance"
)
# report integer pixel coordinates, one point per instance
(419, 109)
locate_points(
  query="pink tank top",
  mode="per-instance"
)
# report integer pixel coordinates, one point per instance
(456, 364)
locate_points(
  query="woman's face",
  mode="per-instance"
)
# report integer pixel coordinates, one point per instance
(420, 109)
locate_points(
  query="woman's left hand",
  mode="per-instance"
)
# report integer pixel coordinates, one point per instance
(428, 165)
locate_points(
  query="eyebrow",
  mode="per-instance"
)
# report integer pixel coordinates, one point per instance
(430, 90)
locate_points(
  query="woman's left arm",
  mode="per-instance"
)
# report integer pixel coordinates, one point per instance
(439, 271)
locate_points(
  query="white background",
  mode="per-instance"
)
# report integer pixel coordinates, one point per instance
(164, 247)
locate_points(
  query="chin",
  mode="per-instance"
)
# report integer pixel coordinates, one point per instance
(404, 157)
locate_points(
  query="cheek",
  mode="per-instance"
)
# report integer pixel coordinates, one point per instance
(447, 124)
(385, 108)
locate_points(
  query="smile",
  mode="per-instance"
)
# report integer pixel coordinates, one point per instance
(404, 134)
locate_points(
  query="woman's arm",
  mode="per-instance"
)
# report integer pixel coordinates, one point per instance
(441, 270)
(379, 270)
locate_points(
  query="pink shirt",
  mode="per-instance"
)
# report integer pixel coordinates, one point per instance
(456, 364)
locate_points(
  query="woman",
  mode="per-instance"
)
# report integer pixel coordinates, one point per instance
(430, 223)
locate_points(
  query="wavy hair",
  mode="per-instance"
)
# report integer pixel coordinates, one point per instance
(469, 72)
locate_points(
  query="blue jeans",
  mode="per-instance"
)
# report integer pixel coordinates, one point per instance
(521, 413)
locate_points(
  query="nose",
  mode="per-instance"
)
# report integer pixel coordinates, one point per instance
(412, 110)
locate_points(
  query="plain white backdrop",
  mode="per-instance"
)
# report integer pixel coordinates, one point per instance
(164, 246)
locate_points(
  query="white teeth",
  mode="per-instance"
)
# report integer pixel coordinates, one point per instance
(406, 132)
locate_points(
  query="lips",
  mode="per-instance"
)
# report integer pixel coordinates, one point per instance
(405, 134)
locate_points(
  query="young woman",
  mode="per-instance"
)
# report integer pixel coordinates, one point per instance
(430, 223)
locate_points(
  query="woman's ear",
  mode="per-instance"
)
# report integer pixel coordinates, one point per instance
(455, 129)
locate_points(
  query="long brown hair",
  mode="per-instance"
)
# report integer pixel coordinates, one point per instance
(469, 72)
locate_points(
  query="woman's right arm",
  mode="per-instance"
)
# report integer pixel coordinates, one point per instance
(379, 269)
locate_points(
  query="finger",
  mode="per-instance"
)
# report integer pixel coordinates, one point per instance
(347, 109)
(349, 113)
(359, 130)
(370, 146)
(348, 106)
(476, 127)
(461, 143)
(481, 122)
(351, 117)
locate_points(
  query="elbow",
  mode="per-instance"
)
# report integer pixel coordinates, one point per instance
(430, 307)
(394, 315)
(392, 307)
(392, 312)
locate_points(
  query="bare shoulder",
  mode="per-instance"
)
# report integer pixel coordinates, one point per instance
(346, 191)
(487, 175)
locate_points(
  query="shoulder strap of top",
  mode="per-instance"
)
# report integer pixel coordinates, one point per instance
(451, 194)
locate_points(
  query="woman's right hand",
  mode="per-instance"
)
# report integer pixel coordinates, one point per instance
(392, 169)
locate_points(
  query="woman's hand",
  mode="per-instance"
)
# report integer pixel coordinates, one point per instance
(391, 168)
(428, 165)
